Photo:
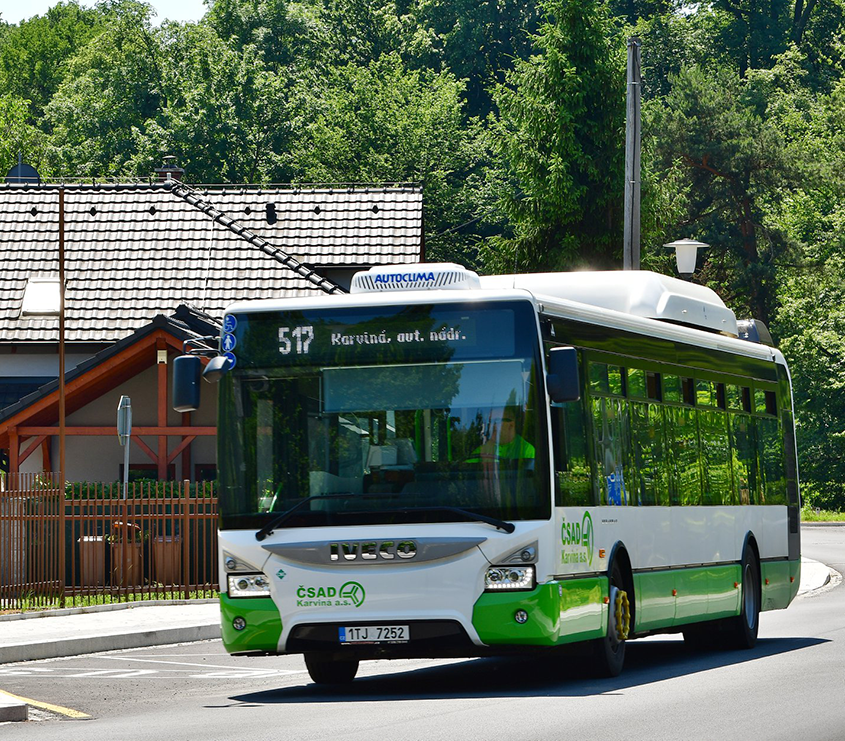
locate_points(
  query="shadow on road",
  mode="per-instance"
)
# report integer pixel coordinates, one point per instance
(566, 676)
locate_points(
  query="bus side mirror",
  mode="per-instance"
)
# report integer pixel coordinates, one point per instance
(216, 368)
(186, 383)
(562, 378)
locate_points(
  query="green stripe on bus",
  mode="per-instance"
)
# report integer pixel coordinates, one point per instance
(784, 578)
(681, 596)
(559, 612)
(263, 624)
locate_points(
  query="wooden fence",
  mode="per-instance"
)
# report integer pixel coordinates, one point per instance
(91, 543)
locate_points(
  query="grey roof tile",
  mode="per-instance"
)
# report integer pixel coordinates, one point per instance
(134, 252)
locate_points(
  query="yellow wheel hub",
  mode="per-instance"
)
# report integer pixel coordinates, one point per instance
(622, 614)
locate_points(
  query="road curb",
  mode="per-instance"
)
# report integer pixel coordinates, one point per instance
(95, 644)
(12, 710)
(111, 607)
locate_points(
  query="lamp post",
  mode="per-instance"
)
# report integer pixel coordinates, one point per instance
(686, 252)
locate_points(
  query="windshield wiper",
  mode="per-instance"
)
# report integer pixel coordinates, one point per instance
(466, 514)
(283, 516)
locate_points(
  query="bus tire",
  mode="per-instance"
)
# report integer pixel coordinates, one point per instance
(742, 629)
(609, 651)
(326, 670)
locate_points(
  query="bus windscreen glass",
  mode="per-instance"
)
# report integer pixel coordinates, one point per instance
(444, 411)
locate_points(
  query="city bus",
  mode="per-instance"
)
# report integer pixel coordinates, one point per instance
(438, 464)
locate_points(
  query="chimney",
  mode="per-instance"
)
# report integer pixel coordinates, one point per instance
(170, 170)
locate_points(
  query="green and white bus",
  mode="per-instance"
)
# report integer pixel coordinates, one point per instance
(439, 464)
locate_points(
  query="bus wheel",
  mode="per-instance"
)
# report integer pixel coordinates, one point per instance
(326, 670)
(743, 628)
(609, 652)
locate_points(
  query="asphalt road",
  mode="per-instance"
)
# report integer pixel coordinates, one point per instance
(792, 686)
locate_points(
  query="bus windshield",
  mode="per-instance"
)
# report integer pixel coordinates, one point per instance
(395, 430)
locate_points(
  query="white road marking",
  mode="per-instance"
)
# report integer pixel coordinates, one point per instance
(173, 663)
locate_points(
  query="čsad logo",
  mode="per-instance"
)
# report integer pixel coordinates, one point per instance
(354, 592)
(579, 535)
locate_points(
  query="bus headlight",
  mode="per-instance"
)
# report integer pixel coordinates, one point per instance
(249, 585)
(498, 578)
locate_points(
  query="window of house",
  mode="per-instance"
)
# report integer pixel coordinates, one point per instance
(41, 296)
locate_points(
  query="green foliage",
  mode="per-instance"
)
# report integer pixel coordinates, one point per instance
(18, 136)
(113, 85)
(715, 125)
(384, 122)
(560, 134)
(224, 114)
(35, 56)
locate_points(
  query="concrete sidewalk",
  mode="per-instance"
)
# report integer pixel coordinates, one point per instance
(133, 625)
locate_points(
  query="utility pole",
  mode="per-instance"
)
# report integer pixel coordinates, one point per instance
(631, 238)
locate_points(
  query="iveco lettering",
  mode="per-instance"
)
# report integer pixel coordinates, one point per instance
(438, 464)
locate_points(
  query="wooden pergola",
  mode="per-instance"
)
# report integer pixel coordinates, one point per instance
(32, 427)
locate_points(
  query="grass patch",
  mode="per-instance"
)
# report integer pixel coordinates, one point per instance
(41, 604)
(810, 514)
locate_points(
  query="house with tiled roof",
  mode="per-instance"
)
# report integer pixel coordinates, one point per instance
(147, 266)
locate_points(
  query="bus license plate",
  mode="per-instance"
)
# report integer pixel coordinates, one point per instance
(375, 634)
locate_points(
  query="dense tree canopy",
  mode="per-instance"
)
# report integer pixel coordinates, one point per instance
(511, 116)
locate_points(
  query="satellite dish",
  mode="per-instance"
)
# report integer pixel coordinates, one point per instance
(23, 173)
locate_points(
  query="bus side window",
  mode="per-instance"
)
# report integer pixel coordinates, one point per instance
(770, 452)
(715, 455)
(573, 477)
(744, 459)
(649, 450)
(686, 461)
(611, 438)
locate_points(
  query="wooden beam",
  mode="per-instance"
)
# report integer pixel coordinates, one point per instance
(14, 450)
(146, 448)
(105, 431)
(179, 448)
(31, 448)
(46, 455)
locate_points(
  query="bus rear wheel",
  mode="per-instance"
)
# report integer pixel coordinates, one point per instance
(327, 670)
(609, 652)
(742, 629)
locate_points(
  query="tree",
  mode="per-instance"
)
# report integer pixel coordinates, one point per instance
(716, 125)
(477, 40)
(224, 114)
(113, 85)
(34, 56)
(560, 134)
(284, 32)
(383, 122)
(18, 136)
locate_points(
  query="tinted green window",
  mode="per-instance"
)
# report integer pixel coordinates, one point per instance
(705, 393)
(759, 401)
(715, 457)
(672, 389)
(606, 379)
(573, 477)
(682, 427)
(733, 396)
(770, 451)
(611, 445)
(744, 459)
(636, 383)
(649, 449)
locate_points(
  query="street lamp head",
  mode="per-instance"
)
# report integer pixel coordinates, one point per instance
(686, 251)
